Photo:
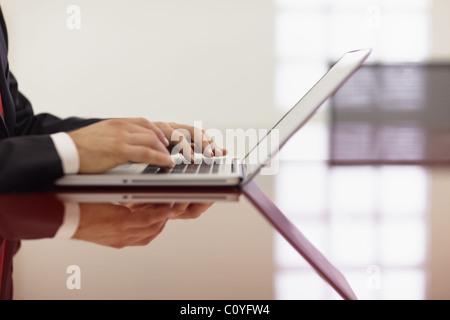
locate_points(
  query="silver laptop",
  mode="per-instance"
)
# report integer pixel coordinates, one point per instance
(226, 171)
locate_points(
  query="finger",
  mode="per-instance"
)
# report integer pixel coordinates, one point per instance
(202, 140)
(213, 149)
(146, 215)
(147, 206)
(178, 208)
(133, 126)
(145, 231)
(182, 145)
(209, 146)
(160, 134)
(193, 135)
(195, 210)
(147, 140)
(147, 155)
(145, 241)
(144, 123)
(218, 151)
(141, 237)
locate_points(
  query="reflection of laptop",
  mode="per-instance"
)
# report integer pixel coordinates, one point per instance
(166, 195)
(298, 241)
(234, 172)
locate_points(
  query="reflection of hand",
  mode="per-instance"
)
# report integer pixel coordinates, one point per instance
(132, 224)
(190, 211)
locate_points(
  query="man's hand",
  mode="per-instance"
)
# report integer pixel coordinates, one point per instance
(109, 143)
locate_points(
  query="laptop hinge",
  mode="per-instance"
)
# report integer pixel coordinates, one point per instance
(238, 167)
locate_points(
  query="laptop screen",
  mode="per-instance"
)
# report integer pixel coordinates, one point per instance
(301, 112)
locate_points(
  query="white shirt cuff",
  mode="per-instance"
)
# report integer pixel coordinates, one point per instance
(67, 151)
(71, 221)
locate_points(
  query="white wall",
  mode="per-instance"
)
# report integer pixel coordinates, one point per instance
(173, 60)
(440, 44)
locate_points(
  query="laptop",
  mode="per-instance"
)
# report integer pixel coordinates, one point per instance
(230, 171)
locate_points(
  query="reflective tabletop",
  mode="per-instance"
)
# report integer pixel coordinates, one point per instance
(383, 228)
(152, 244)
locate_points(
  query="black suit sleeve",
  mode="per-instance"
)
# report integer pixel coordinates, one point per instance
(28, 163)
(28, 159)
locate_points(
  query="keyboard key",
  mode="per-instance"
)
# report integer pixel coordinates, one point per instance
(205, 168)
(151, 169)
(179, 168)
(216, 167)
(192, 168)
(164, 170)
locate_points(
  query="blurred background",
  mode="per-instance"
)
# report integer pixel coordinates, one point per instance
(242, 64)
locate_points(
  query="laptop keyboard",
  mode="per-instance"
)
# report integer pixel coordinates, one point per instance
(202, 168)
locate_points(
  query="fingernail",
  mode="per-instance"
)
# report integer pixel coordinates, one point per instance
(209, 151)
(219, 152)
(166, 141)
(172, 162)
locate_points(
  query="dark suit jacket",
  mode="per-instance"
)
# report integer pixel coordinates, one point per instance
(28, 158)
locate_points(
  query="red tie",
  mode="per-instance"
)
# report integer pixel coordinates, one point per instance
(2, 258)
(3, 243)
(1, 107)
